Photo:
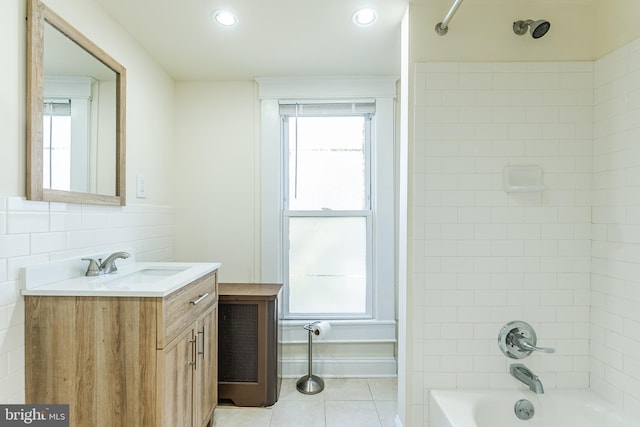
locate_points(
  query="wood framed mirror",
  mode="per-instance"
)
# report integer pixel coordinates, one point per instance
(75, 115)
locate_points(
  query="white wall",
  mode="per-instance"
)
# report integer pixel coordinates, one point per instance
(615, 282)
(215, 177)
(13, 29)
(36, 232)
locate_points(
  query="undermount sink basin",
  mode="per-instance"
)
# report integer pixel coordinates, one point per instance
(146, 275)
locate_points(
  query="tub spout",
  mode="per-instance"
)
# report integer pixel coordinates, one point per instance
(527, 377)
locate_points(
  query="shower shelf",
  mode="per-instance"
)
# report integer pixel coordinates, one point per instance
(523, 179)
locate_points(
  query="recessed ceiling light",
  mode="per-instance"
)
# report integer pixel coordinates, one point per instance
(365, 16)
(225, 18)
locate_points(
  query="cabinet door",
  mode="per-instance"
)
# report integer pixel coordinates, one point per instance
(175, 364)
(206, 371)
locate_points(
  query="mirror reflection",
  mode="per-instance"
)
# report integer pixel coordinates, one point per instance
(79, 116)
(76, 114)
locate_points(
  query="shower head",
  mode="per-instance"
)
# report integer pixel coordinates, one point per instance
(538, 28)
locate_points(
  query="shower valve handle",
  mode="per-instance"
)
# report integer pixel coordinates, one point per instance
(522, 342)
(517, 339)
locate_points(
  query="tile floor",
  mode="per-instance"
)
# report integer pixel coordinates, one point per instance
(344, 402)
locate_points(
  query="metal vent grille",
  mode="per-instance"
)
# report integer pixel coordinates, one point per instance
(238, 352)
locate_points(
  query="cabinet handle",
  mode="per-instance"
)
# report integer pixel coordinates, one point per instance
(194, 350)
(199, 299)
(203, 341)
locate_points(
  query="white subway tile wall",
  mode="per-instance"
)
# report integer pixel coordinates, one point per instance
(483, 257)
(39, 232)
(615, 286)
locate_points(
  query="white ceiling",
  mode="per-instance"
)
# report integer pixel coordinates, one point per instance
(62, 57)
(273, 37)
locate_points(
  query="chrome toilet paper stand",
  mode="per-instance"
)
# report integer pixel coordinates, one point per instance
(310, 384)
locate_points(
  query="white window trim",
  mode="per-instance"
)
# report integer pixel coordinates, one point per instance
(340, 89)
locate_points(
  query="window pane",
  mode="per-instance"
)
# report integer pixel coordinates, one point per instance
(327, 265)
(326, 163)
(46, 148)
(56, 133)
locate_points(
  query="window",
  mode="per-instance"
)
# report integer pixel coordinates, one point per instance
(372, 99)
(69, 141)
(327, 211)
(56, 144)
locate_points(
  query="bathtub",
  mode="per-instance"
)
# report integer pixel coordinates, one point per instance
(495, 408)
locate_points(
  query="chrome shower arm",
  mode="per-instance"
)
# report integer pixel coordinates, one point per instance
(443, 27)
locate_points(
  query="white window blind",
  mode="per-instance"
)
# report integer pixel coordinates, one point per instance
(327, 108)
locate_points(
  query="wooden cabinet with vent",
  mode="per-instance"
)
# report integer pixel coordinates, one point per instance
(248, 343)
(126, 361)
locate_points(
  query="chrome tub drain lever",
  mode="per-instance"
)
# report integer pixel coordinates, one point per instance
(524, 409)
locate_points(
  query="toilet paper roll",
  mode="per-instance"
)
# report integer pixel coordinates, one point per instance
(321, 329)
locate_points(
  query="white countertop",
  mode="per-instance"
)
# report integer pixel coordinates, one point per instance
(137, 279)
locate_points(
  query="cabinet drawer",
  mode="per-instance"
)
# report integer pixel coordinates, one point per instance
(184, 306)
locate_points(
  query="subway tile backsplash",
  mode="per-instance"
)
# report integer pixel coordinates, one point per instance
(566, 260)
(39, 232)
(482, 256)
(615, 279)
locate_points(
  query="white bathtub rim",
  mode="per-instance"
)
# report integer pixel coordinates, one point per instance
(446, 404)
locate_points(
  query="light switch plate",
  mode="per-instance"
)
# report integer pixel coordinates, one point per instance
(141, 186)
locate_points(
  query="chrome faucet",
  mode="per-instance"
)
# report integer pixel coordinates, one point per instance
(108, 266)
(525, 376)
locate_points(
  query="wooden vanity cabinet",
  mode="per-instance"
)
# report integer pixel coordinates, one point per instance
(126, 361)
(207, 369)
(177, 381)
(188, 382)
